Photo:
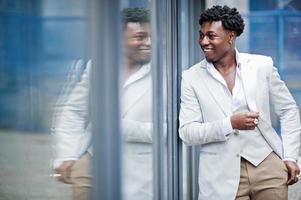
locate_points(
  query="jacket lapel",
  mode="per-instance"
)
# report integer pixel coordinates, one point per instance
(216, 89)
(135, 89)
(249, 80)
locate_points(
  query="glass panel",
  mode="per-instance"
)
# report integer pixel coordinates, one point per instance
(136, 101)
(38, 47)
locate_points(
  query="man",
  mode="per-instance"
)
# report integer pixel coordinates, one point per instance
(225, 109)
(137, 107)
(71, 128)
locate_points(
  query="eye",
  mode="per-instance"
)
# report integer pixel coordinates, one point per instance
(140, 37)
(211, 37)
(201, 36)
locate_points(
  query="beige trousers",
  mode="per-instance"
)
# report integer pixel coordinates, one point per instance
(81, 178)
(267, 181)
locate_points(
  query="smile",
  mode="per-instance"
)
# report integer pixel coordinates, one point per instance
(207, 49)
(144, 49)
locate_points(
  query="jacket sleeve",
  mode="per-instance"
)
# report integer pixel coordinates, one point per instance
(193, 130)
(70, 121)
(288, 113)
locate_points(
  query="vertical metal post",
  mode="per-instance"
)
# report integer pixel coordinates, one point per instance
(173, 68)
(157, 65)
(106, 39)
(195, 7)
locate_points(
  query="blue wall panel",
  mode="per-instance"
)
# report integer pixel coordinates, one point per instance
(36, 51)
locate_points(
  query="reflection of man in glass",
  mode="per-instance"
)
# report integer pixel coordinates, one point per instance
(71, 128)
(137, 77)
(225, 104)
(136, 107)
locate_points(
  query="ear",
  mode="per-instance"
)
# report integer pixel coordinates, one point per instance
(232, 36)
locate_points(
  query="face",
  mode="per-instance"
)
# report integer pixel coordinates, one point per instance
(215, 41)
(137, 42)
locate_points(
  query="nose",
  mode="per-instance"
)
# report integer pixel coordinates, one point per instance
(203, 41)
(147, 41)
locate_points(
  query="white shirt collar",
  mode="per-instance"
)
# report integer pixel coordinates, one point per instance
(142, 72)
(237, 57)
(213, 71)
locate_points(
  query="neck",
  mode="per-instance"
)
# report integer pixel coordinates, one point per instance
(227, 64)
(130, 69)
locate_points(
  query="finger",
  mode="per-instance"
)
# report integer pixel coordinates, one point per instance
(68, 180)
(250, 120)
(296, 175)
(253, 114)
(63, 175)
(60, 178)
(66, 177)
(250, 126)
(295, 180)
(59, 175)
(292, 177)
(291, 180)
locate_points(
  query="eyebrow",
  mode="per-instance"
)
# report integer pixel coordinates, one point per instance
(141, 32)
(207, 32)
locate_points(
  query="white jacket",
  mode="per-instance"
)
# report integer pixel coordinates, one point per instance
(204, 107)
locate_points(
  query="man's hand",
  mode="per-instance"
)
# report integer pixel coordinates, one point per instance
(244, 121)
(293, 172)
(65, 170)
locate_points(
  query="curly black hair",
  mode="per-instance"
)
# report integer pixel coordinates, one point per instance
(140, 15)
(230, 18)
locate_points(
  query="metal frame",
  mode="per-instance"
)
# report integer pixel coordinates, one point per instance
(174, 144)
(190, 54)
(157, 65)
(105, 109)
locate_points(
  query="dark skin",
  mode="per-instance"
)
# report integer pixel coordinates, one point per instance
(218, 45)
(219, 48)
(64, 170)
(137, 46)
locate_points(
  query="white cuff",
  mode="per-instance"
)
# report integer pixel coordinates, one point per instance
(289, 159)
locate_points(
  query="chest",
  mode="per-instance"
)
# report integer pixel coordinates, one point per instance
(230, 81)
